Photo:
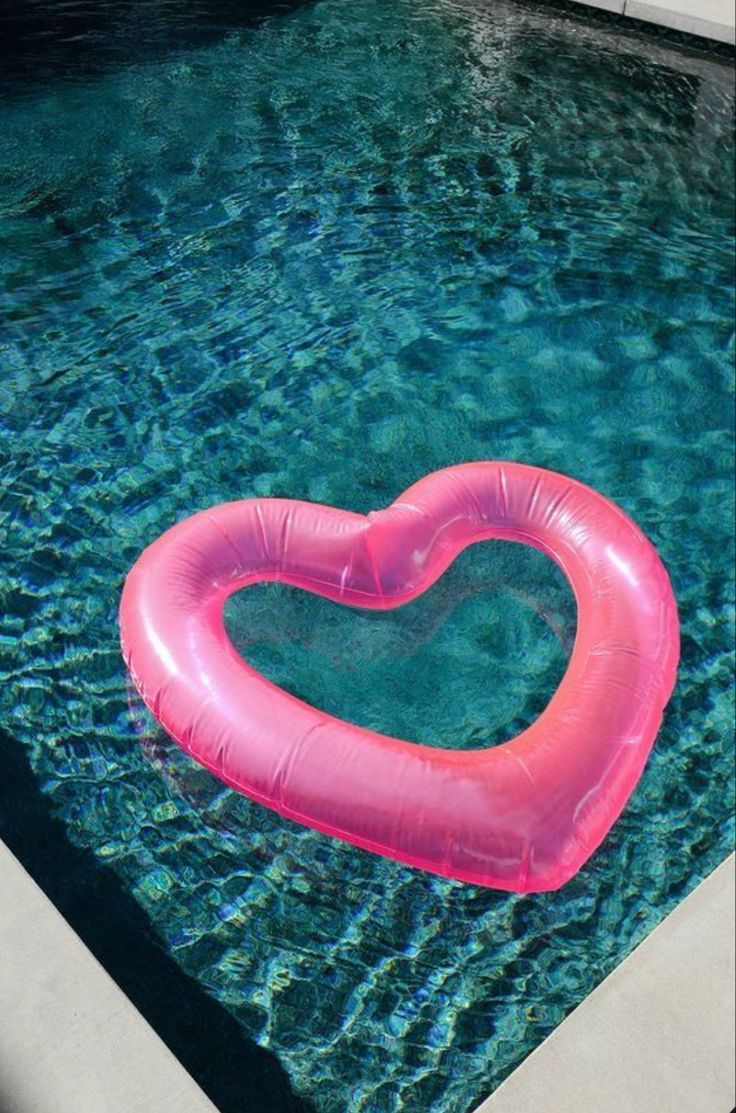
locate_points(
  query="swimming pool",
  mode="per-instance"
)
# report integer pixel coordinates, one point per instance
(320, 254)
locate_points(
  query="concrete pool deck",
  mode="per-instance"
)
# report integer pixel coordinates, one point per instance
(657, 1035)
(710, 19)
(70, 1040)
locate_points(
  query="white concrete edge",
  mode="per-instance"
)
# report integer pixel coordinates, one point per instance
(691, 21)
(70, 1039)
(710, 70)
(658, 1035)
(709, 19)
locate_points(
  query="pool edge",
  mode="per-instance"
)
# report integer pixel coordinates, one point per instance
(659, 1028)
(657, 1035)
(686, 16)
(70, 1040)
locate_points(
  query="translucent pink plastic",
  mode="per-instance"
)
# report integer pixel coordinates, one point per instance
(523, 816)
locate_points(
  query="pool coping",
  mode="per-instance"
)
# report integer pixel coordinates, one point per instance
(70, 1040)
(658, 1035)
(708, 19)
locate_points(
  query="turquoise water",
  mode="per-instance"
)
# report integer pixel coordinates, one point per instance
(318, 253)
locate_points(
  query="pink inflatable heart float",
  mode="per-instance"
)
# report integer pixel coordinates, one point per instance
(523, 816)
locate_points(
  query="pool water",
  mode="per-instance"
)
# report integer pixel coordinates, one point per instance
(317, 251)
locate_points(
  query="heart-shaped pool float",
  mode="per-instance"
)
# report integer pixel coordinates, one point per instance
(523, 816)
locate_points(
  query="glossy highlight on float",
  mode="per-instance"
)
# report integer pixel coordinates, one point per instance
(522, 816)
